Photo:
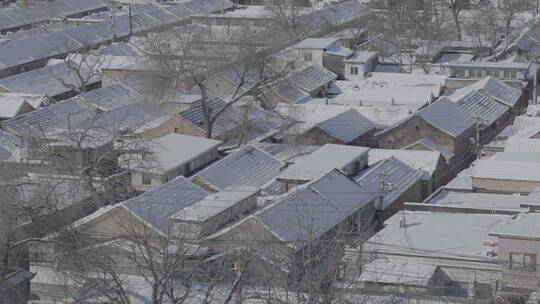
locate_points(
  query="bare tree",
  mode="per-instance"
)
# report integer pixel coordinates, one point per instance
(456, 7)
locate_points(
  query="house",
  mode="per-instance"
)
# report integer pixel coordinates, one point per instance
(497, 90)
(56, 81)
(359, 64)
(512, 73)
(285, 92)
(396, 277)
(312, 50)
(388, 93)
(108, 226)
(167, 157)
(236, 123)
(313, 80)
(14, 104)
(238, 79)
(468, 267)
(215, 211)
(506, 176)
(348, 159)
(443, 122)
(303, 224)
(401, 184)
(492, 116)
(248, 166)
(319, 124)
(518, 248)
(431, 163)
(18, 286)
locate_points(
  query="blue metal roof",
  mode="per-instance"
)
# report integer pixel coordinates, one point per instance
(309, 212)
(248, 166)
(157, 206)
(347, 126)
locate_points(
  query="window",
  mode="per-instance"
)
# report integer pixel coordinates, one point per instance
(523, 261)
(308, 56)
(459, 73)
(507, 75)
(146, 179)
(354, 70)
(513, 74)
(176, 130)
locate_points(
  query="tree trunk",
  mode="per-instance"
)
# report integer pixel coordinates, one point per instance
(458, 25)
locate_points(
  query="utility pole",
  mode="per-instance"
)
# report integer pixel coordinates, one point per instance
(383, 189)
(475, 141)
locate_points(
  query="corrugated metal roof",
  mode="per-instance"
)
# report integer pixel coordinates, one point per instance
(46, 80)
(495, 88)
(315, 208)
(227, 121)
(62, 115)
(110, 98)
(14, 18)
(248, 166)
(446, 116)
(347, 126)
(290, 93)
(481, 105)
(399, 174)
(157, 206)
(312, 78)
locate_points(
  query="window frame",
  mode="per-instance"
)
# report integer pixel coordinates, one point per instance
(527, 266)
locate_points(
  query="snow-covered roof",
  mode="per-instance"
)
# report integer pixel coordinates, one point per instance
(11, 103)
(157, 206)
(214, 204)
(485, 201)
(400, 175)
(171, 151)
(370, 93)
(314, 208)
(249, 166)
(523, 226)
(322, 161)
(507, 170)
(462, 182)
(317, 111)
(434, 234)
(386, 271)
(316, 43)
(361, 57)
(407, 79)
(286, 152)
(425, 161)
(48, 80)
(494, 88)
